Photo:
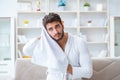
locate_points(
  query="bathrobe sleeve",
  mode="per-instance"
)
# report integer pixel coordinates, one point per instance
(85, 69)
(29, 47)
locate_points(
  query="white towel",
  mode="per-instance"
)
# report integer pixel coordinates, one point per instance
(49, 54)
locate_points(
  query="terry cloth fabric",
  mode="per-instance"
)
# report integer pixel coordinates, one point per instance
(49, 54)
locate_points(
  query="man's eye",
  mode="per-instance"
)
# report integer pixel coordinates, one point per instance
(50, 29)
(58, 26)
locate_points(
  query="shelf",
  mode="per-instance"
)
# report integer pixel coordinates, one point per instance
(88, 12)
(64, 11)
(19, 43)
(75, 20)
(29, 27)
(31, 12)
(92, 27)
(97, 43)
(70, 27)
(24, 1)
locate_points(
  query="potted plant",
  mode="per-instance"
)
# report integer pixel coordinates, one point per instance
(61, 5)
(86, 6)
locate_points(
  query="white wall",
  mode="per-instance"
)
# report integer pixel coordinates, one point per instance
(114, 7)
(7, 8)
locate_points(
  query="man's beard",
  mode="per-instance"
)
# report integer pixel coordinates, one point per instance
(59, 38)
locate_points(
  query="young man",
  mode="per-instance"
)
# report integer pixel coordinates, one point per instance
(66, 56)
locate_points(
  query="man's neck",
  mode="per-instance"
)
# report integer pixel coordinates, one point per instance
(63, 41)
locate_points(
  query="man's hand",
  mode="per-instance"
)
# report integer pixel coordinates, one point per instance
(69, 69)
(38, 37)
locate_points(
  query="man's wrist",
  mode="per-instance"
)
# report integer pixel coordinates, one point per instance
(69, 69)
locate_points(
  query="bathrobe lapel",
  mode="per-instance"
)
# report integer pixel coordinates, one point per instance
(49, 54)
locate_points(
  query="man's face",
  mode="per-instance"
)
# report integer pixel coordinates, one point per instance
(55, 30)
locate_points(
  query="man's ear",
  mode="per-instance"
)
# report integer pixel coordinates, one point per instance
(63, 24)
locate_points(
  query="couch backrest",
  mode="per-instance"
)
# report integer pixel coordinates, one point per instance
(104, 69)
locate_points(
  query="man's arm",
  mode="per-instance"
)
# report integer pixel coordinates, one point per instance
(85, 70)
(29, 46)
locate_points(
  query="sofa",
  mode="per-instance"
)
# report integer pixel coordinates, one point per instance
(103, 69)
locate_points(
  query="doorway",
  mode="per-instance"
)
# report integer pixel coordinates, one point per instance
(115, 36)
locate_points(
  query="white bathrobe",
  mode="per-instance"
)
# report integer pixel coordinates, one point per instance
(52, 56)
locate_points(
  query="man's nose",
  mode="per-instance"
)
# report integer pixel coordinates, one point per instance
(55, 31)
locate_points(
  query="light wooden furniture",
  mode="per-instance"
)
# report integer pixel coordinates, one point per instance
(93, 24)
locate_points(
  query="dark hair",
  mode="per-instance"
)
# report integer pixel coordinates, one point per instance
(51, 17)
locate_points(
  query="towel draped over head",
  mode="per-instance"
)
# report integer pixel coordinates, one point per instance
(49, 54)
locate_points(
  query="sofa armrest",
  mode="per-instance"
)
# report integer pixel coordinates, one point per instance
(25, 70)
(106, 68)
